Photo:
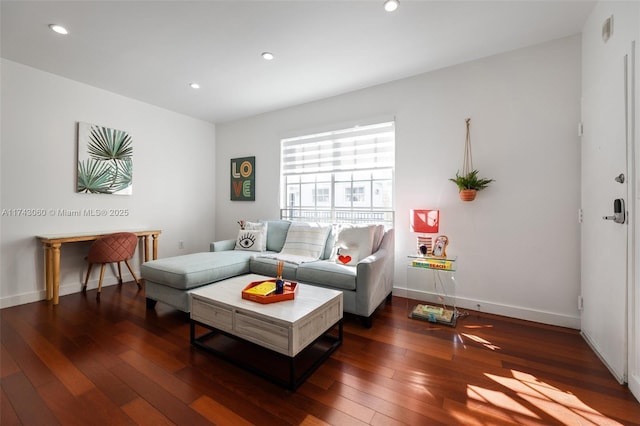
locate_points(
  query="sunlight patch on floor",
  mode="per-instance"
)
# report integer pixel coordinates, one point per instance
(498, 399)
(487, 344)
(526, 395)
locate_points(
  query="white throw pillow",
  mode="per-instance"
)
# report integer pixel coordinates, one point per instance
(249, 240)
(259, 226)
(347, 256)
(360, 237)
(305, 239)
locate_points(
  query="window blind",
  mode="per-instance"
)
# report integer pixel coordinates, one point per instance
(357, 148)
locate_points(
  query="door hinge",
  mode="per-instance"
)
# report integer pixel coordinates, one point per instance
(579, 215)
(580, 303)
(580, 129)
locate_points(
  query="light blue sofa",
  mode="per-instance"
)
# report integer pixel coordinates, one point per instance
(365, 285)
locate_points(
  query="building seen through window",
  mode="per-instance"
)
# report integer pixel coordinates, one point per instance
(339, 176)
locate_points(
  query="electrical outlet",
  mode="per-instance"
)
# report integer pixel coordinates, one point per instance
(181, 245)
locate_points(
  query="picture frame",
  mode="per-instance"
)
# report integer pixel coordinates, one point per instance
(243, 179)
(105, 160)
(440, 246)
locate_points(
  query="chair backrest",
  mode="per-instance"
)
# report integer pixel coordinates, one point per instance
(113, 248)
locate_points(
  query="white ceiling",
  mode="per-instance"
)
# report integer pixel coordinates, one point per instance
(152, 50)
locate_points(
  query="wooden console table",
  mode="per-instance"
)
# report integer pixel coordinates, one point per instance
(52, 244)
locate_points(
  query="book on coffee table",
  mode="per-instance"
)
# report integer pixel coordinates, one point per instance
(263, 289)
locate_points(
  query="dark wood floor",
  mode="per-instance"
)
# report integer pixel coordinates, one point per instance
(113, 362)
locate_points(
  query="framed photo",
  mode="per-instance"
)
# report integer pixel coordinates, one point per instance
(440, 246)
(105, 160)
(243, 179)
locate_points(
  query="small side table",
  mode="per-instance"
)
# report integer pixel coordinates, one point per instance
(447, 313)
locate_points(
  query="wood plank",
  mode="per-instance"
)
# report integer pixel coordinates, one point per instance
(217, 413)
(135, 366)
(25, 401)
(144, 414)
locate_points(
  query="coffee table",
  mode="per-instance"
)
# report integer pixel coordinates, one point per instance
(296, 333)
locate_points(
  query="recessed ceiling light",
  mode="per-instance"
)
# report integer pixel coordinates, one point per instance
(58, 29)
(194, 85)
(391, 5)
(267, 56)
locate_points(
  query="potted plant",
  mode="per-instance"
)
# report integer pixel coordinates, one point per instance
(469, 184)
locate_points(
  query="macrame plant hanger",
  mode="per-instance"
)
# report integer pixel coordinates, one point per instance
(467, 165)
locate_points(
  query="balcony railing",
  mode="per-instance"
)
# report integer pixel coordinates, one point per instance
(385, 217)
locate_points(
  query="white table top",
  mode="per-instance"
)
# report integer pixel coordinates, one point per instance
(308, 298)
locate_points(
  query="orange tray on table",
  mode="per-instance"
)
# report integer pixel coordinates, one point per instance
(290, 290)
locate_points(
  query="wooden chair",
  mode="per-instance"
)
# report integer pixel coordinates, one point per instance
(113, 248)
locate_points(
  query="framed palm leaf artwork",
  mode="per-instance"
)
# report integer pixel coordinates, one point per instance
(105, 160)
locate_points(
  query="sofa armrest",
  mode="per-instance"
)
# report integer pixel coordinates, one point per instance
(374, 280)
(223, 245)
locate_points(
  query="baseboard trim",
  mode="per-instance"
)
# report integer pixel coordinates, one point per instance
(519, 312)
(634, 386)
(65, 289)
(620, 377)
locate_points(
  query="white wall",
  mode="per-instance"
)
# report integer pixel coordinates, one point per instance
(518, 243)
(173, 185)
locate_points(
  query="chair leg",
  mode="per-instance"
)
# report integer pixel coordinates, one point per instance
(101, 277)
(132, 273)
(119, 274)
(86, 280)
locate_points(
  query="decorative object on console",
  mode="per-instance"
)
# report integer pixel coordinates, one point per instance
(469, 183)
(427, 222)
(440, 246)
(105, 160)
(243, 179)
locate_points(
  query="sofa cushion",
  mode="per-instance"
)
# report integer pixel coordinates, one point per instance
(327, 274)
(347, 257)
(267, 266)
(251, 240)
(277, 234)
(263, 228)
(196, 269)
(306, 239)
(358, 237)
(331, 240)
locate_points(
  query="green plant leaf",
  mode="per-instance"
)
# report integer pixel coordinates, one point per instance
(94, 177)
(109, 144)
(471, 181)
(122, 174)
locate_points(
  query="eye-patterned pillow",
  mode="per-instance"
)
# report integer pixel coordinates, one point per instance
(249, 240)
(258, 226)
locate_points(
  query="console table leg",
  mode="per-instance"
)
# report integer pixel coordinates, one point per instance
(55, 248)
(155, 246)
(146, 248)
(48, 270)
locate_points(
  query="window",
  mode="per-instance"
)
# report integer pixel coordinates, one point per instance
(344, 175)
(321, 195)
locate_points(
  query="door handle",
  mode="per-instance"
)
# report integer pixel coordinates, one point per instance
(619, 215)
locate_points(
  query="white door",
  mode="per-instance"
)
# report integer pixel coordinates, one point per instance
(607, 95)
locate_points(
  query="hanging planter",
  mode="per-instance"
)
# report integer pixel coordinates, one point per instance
(468, 194)
(468, 182)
